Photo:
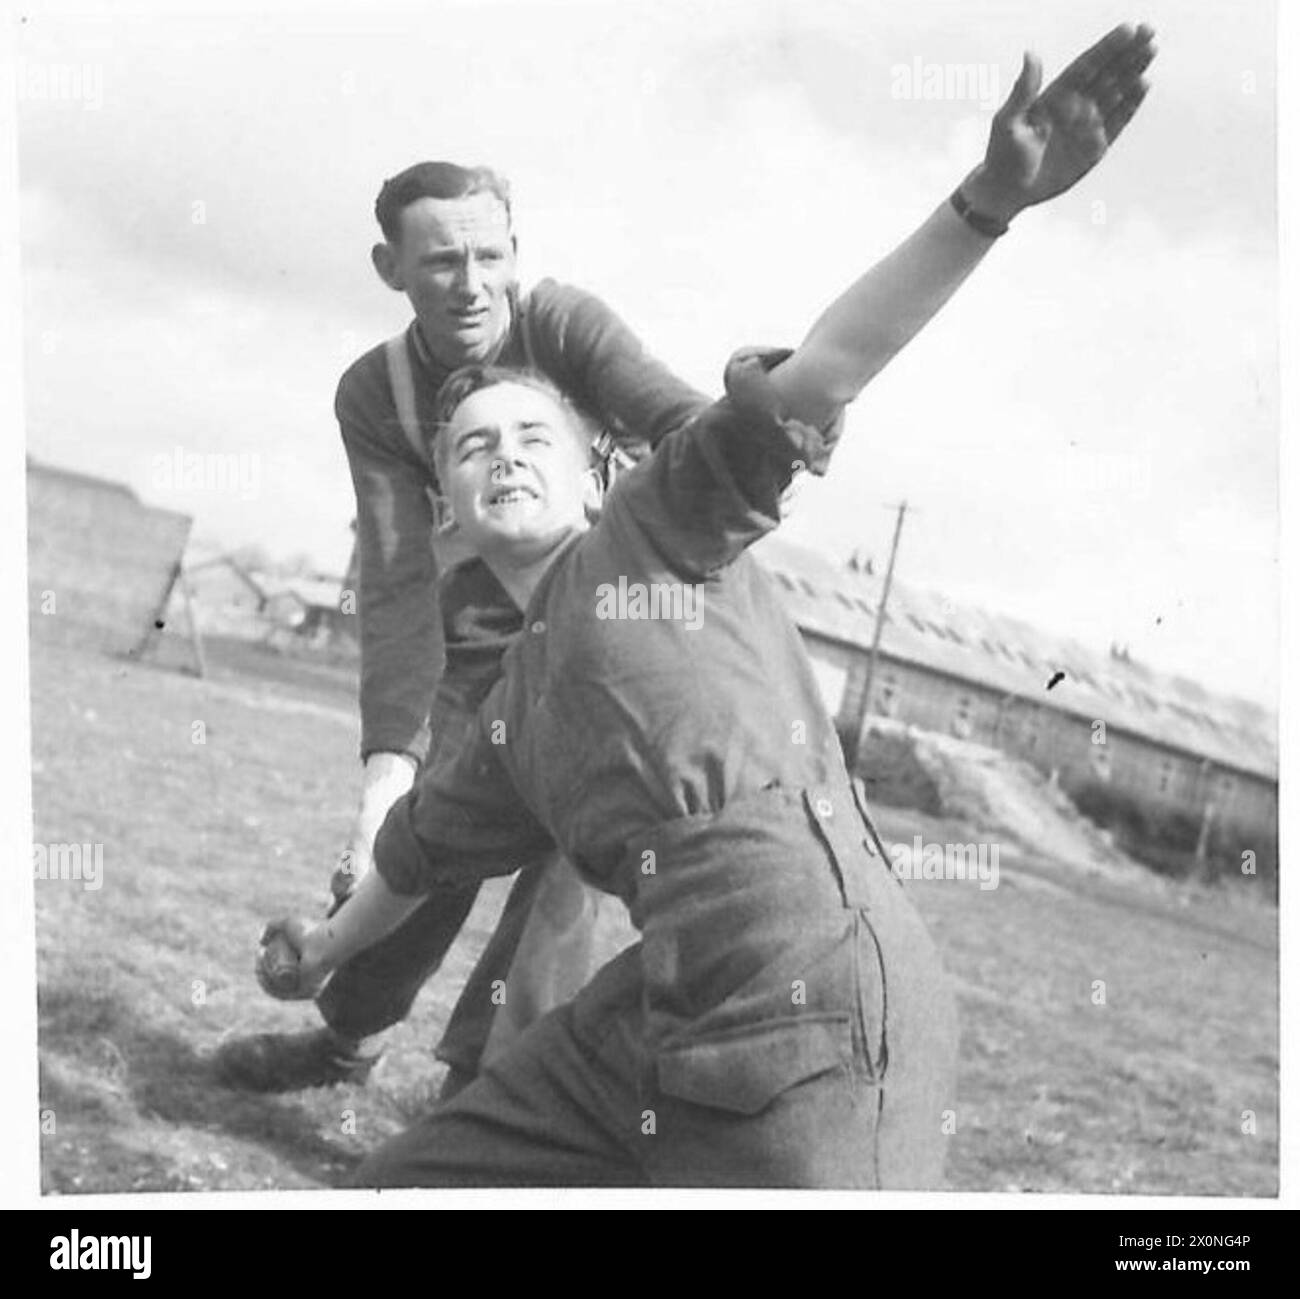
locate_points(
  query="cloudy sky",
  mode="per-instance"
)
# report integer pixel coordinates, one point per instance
(1087, 435)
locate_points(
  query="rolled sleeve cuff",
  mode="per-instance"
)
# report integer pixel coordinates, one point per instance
(393, 741)
(756, 400)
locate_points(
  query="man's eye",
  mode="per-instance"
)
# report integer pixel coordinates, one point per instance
(490, 255)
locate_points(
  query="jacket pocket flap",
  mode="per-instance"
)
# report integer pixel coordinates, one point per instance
(744, 1072)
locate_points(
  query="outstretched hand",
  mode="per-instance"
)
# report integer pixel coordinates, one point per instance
(1043, 143)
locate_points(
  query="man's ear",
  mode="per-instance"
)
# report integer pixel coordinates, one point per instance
(593, 492)
(385, 264)
(444, 521)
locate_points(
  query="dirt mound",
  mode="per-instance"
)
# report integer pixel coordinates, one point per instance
(987, 789)
(892, 771)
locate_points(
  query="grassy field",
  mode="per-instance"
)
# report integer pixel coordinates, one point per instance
(140, 979)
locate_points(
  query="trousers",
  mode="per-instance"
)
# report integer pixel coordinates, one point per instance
(784, 1022)
(538, 957)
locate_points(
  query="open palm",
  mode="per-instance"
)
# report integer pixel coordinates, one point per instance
(1042, 143)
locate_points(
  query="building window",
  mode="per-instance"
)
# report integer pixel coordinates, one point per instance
(1021, 725)
(961, 719)
(887, 696)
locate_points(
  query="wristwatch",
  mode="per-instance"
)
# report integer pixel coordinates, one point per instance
(988, 226)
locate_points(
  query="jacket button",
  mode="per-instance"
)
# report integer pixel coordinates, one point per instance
(825, 807)
(538, 627)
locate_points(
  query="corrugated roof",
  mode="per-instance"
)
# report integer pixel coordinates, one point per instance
(1008, 655)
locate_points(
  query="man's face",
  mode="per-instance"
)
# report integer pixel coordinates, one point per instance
(455, 261)
(515, 472)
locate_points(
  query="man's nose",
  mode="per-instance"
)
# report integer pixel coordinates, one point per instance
(506, 459)
(471, 274)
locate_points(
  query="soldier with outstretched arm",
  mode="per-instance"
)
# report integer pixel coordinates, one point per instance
(784, 1019)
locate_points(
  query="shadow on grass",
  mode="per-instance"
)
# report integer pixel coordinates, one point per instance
(170, 1080)
(161, 1076)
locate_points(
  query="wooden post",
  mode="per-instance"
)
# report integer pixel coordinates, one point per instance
(155, 625)
(196, 638)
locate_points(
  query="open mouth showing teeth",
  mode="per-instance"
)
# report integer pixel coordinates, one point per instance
(512, 495)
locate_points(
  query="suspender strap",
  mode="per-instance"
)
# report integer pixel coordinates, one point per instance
(402, 379)
(446, 550)
(520, 307)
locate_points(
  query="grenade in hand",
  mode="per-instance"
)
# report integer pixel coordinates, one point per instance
(280, 964)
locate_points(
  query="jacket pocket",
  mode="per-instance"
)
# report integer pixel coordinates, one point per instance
(746, 1070)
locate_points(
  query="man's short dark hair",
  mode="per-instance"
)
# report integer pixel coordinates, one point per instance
(469, 379)
(434, 180)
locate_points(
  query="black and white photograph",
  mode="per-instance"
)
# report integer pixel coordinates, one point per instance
(646, 597)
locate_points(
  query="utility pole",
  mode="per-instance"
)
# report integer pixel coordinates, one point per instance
(864, 704)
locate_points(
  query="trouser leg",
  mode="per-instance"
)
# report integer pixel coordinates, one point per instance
(466, 1035)
(541, 954)
(576, 1101)
(918, 1041)
(821, 1132)
(560, 1107)
(852, 1099)
(921, 1046)
(553, 958)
